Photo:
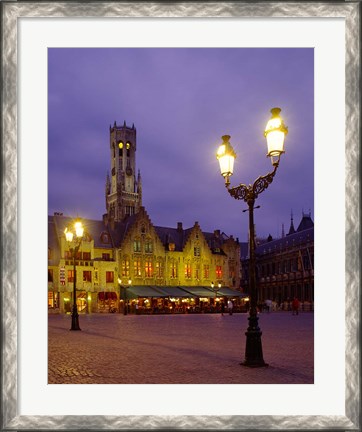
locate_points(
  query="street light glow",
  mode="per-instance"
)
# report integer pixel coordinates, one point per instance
(275, 132)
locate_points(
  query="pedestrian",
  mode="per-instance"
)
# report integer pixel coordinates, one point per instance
(268, 304)
(230, 307)
(295, 306)
(222, 308)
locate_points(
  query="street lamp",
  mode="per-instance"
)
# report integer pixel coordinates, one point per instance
(275, 132)
(74, 235)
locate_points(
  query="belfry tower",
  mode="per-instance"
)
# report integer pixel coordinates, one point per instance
(123, 188)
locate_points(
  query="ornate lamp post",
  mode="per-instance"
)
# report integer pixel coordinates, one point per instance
(74, 236)
(275, 132)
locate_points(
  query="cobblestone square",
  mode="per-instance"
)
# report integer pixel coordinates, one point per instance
(178, 349)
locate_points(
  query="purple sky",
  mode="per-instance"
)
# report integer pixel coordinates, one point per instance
(182, 101)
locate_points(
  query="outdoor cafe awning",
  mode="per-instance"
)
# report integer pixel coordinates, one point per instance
(173, 291)
(225, 291)
(142, 291)
(199, 291)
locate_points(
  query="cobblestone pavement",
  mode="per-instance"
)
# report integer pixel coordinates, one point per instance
(178, 349)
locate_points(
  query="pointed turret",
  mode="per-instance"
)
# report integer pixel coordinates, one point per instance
(291, 229)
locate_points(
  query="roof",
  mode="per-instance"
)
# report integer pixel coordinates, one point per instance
(97, 230)
(305, 223)
(292, 240)
(173, 235)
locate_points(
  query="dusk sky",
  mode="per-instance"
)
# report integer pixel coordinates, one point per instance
(181, 102)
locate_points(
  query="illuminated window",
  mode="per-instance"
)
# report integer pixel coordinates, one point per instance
(188, 270)
(125, 267)
(137, 267)
(87, 276)
(173, 269)
(109, 277)
(148, 268)
(53, 299)
(120, 144)
(70, 275)
(218, 272)
(159, 268)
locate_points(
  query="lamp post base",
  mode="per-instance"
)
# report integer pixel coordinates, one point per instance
(253, 350)
(75, 319)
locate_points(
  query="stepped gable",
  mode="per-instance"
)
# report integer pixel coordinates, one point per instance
(177, 236)
(215, 241)
(119, 230)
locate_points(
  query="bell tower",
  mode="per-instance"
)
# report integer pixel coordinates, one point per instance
(123, 186)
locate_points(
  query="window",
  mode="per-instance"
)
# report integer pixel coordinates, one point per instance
(197, 251)
(86, 256)
(218, 272)
(137, 267)
(87, 276)
(68, 255)
(206, 271)
(148, 268)
(70, 275)
(188, 270)
(129, 210)
(197, 271)
(109, 277)
(137, 245)
(148, 246)
(53, 299)
(125, 267)
(159, 268)
(173, 269)
(105, 238)
(49, 254)
(232, 271)
(50, 275)
(106, 256)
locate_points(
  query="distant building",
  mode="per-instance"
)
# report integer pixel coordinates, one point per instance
(285, 266)
(126, 245)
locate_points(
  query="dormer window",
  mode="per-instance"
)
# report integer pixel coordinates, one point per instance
(105, 238)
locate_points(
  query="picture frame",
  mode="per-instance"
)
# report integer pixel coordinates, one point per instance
(11, 13)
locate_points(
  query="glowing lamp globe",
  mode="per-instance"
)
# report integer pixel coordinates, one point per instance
(226, 157)
(79, 229)
(275, 132)
(68, 235)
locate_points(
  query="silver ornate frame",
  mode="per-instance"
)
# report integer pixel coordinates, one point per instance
(11, 11)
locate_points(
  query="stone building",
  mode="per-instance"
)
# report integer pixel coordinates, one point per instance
(285, 266)
(125, 249)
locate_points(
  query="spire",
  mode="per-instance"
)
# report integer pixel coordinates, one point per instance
(291, 229)
(283, 233)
